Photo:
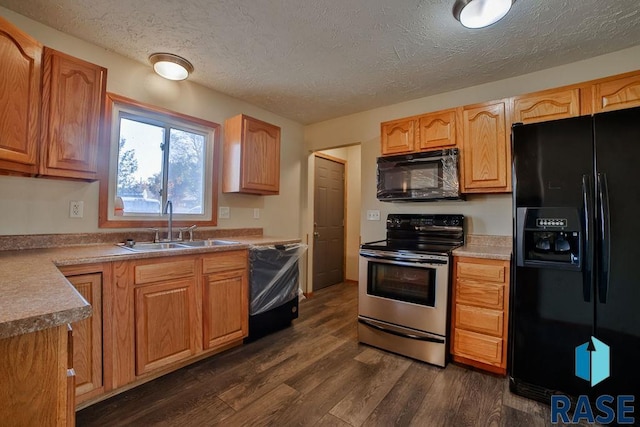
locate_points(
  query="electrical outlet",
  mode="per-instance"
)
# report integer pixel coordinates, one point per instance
(256, 213)
(373, 215)
(76, 209)
(223, 212)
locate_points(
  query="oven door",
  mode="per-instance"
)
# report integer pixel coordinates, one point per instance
(407, 292)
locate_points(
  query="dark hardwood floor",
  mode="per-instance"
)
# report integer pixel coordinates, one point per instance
(316, 373)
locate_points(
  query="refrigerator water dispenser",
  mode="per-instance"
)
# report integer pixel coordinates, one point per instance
(549, 237)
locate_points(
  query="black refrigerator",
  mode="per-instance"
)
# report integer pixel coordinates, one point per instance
(576, 265)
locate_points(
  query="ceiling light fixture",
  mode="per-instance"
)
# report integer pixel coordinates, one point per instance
(170, 66)
(480, 13)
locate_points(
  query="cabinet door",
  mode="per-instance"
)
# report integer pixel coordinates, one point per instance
(73, 95)
(547, 105)
(485, 149)
(437, 130)
(165, 323)
(226, 308)
(260, 157)
(398, 136)
(87, 337)
(20, 99)
(617, 93)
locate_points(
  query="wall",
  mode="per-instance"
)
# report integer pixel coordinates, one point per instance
(35, 205)
(352, 156)
(490, 214)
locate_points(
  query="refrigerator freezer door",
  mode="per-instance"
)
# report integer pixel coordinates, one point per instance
(549, 160)
(550, 315)
(617, 140)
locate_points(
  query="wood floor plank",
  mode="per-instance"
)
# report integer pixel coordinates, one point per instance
(481, 402)
(263, 409)
(443, 398)
(363, 399)
(310, 407)
(332, 421)
(333, 364)
(401, 404)
(513, 417)
(262, 381)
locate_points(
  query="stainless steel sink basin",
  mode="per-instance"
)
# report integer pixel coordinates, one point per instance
(147, 247)
(207, 243)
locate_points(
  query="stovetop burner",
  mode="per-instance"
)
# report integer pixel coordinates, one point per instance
(421, 233)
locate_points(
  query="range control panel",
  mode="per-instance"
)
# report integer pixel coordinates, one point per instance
(421, 221)
(551, 222)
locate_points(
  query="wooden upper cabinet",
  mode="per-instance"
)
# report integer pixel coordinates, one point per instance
(398, 136)
(617, 93)
(547, 105)
(251, 156)
(20, 98)
(73, 98)
(486, 154)
(437, 130)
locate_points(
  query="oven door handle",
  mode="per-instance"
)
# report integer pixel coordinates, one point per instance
(409, 262)
(401, 334)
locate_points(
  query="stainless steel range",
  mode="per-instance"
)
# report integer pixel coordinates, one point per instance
(403, 296)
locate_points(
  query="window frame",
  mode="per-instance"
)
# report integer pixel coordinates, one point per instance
(105, 171)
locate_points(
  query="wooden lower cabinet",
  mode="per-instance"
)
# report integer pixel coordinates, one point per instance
(164, 323)
(90, 336)
(225, 308)
(87, 338)
(36, 379)
(225, 299)
(480, 313)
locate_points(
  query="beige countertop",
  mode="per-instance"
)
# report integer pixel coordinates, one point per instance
(34, 294)
(489, 247)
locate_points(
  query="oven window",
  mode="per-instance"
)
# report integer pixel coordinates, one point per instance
(411, 284)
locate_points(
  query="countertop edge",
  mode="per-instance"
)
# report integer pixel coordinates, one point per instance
(40, 322)
(484, 252)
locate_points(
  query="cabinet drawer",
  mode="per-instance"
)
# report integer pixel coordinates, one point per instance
(486, 295)
(166, 271)
(486, 271)
(482, 348)
(234, 260)
(479, 320)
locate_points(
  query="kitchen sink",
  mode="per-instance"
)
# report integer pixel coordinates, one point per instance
(147, 247)
(163, 246)
(207, 243)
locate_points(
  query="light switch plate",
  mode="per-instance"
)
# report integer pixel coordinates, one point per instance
(256, 213)
(223, 212)
(373, 215)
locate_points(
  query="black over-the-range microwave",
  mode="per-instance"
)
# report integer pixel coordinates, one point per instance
(428, 176)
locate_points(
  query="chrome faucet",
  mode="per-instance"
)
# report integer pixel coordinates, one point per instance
(168, 208)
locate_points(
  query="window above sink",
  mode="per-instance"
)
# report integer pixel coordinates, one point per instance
(155, 155)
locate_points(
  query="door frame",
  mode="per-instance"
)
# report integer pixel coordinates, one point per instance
(311, 215)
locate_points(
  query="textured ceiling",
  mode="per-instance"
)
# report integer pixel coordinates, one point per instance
(312, 60)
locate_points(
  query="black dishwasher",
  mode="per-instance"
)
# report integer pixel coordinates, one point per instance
(273, 288)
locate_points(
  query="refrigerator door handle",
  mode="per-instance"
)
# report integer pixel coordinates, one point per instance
(587, 273)
(605, 241)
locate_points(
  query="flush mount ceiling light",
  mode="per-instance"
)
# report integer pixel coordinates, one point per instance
(480, 13)
(170, 66)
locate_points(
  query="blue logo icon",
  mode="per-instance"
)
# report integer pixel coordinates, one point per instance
(592, 361)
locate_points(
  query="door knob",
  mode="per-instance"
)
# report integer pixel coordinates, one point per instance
(316, 234)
